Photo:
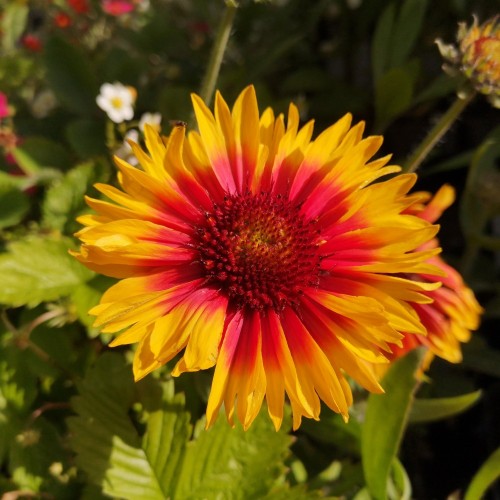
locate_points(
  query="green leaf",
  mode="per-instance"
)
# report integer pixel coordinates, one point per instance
(70, 76)
(382, 40)
(32, 452)
(478, 203)
(393, 95)
(46, 153)
(399, 487)
(460, 160)
(14, 205)
(108, 446)
(65, 200)
(242, 464)
(430, 410)
(14, 18)
(17, 381)
(17, 391)
(39, 269)
(441, 86)
(406, 30)
(385, 421)
(86, 296)
(164, 463)
(484, 477)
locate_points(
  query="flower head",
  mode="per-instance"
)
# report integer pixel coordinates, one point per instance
(4, 106)
(79, 6)
(454, 311)
(117, 7)
(32, 42)
(117, 101)
(250, 247)
(477, 56)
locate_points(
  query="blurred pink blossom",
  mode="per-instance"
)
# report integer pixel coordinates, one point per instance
(4, 106)
(117, 7)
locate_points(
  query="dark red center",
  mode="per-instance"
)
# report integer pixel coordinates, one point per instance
(260, 250)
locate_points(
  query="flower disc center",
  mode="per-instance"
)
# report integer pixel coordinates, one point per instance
(259, 249)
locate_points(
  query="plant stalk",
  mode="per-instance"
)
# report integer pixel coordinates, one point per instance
(437, 132)
(214, 63)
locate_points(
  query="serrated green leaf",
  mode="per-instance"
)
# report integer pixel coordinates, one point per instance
(242, 464)
(64, 200)
(484, 477)
(109, 448)
(14, 205)
(381, 43)
(406, 30)
(385, 421)
(430, 410)
(164, 463)
(86, 296)
(39, 269)
(32, 452)
(70, 76)
(17, 381)
(14, 18)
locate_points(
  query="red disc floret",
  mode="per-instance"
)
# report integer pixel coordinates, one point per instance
(260, 250)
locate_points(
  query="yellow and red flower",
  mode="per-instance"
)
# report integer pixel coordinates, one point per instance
(250, 247)
(454, 310)
(477, 56)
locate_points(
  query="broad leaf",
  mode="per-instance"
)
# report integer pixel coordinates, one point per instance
(406, 30)
(39, 269)
(242, 464)
(14, 205)
(474, 212)
(385, 421)
(430, 410)
(393, 95)
(46, 153)
(13, 23)
(65, 198)
(164, 463)
(86, 296)
(484, 477)
(381, 43)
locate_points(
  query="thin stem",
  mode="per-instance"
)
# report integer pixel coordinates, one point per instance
(220, 44)
(437, 132)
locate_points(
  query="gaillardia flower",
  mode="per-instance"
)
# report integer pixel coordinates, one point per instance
(454, 310)
(477, 57)
(255, 249)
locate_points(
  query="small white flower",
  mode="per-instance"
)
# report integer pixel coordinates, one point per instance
(117, 101)
(125, 151)
(153, 119)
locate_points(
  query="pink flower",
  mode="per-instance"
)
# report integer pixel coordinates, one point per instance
(4, 106)
(117, 7)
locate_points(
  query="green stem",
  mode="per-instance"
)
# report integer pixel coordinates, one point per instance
(220, 44)
(437, 132)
